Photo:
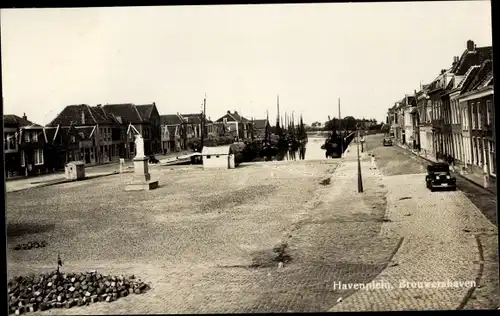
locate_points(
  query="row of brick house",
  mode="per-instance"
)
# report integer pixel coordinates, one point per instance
(454, 115)
(105, 133)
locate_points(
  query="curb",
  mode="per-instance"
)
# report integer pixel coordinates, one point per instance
(458, 174)
(479, 275)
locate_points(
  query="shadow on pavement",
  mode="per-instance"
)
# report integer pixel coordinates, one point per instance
(21, 229)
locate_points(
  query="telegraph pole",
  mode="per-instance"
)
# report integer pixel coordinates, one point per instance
(341, 134)
(203, 117)
(360, 179)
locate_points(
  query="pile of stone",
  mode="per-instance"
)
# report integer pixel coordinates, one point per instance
(65, 290)
(31, 245)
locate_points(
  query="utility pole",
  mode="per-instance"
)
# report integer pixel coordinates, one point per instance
(360, 179)
(203, 118)
(341, 134)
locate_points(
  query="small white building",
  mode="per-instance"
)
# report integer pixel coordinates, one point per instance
(218, 157)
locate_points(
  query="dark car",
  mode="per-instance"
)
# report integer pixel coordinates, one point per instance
(439, 177)
(387, 141)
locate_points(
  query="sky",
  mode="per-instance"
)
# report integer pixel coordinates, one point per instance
(368, 55)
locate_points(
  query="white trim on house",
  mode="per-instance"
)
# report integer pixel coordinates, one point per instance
(44, 134)
(55, 134)
(477, 94)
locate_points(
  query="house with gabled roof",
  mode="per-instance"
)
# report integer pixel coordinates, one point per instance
(193, 125)
(478, 110)
(438, 91)
(408, 105)
(463, 69)
(237, 125)
(106, 141)
(150, 127)
(171, 127)
(259, 127)
(12, 126)
(423, 117)
(144, 118)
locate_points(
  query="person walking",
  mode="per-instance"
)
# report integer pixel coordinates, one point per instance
(373, 166)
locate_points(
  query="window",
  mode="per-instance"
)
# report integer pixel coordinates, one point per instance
(224, 120)
(473, 115)
(73, 139)
(10, 142)
(38, 157)
(34, 136)
(465, 118)
(26, 137)
(488, 112)
(208, 157)
(478, 117)
(493, 164)
(23, 159)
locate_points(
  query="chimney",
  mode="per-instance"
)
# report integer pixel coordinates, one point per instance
(470, 45)
(443, 71)
(235, 112)
(83, 117)
(228, 112)
(24, 116)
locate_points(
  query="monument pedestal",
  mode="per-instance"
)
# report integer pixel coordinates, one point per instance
(141, 180)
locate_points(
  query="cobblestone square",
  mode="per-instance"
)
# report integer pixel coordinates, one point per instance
(205, 239)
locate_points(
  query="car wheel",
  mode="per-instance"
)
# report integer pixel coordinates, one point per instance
(432, 189)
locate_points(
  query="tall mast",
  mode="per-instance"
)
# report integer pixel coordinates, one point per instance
(286, 122)
(340, 118)
(266, 136)
(340, 131)
(278, 112)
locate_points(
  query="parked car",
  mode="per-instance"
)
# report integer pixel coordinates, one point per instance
(387, 141)
(439, 177)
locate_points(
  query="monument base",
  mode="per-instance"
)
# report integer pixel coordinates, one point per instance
(142, 179)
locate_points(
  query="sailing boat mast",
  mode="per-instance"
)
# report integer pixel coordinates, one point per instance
(341, 133)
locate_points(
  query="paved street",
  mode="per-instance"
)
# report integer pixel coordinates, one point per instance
(206, 240)
(445, 237)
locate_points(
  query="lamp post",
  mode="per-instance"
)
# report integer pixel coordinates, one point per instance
(360, 179)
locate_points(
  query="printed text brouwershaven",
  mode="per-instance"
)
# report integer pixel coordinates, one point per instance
(382, 285)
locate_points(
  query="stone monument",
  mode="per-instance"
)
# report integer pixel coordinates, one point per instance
(142, 179)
